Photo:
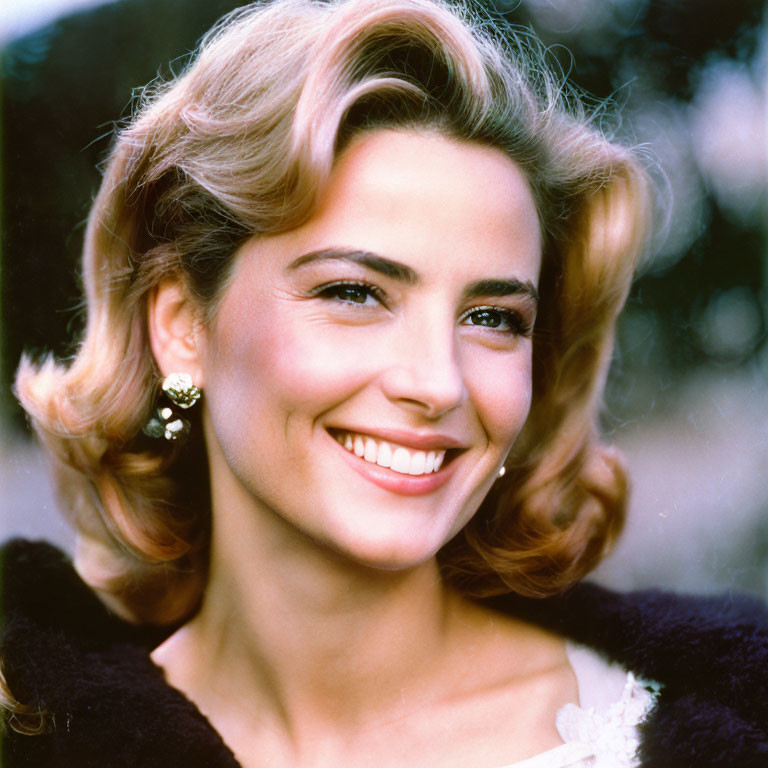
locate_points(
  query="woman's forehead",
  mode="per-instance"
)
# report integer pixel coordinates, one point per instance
(419, 204)
(399, 192)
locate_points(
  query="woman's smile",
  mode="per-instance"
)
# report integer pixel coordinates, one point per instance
(367, 372)
(408, 453)
(398, 458)
(398, 464)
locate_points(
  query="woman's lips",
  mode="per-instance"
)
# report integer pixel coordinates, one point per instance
(399, 458)
(396, 467)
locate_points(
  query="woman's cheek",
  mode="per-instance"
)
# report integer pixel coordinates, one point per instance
(501, 387)
(296, 363)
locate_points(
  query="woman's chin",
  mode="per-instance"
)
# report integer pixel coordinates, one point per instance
(387, 553)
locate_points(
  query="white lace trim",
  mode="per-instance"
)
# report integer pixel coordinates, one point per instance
(611, 736)
(600, 739)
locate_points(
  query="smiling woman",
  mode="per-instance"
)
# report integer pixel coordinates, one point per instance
(390, 255)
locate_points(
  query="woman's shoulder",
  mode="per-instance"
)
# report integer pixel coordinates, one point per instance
(88, 673)
(602, 728)
(709, 656)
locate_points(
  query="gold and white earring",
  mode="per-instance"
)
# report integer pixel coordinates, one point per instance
(181, 391)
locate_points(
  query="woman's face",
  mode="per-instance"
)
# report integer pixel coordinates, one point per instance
(367, 373)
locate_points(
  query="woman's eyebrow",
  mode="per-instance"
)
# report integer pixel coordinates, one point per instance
(387, 267)
(500, 287)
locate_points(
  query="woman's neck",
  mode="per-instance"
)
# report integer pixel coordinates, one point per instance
(295, 629)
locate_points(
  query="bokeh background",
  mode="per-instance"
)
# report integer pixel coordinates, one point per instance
(687, 397)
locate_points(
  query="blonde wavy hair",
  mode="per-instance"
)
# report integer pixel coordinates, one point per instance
(241, 144)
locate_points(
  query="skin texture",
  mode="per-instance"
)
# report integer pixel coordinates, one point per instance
(325, 635)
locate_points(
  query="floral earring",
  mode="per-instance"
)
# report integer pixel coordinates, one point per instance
(179, 389)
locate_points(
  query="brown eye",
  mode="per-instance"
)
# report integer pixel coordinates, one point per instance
(352, 293)
(486, 317)
(498, 319)
(360, 294)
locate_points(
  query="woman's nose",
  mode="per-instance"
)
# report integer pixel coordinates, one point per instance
(425, 373)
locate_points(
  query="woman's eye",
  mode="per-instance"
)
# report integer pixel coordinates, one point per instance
(351, 293)
(504, 320)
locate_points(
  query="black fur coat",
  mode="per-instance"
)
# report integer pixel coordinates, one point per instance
(109, 706)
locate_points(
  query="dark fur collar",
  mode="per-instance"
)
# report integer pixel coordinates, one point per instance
(110, 707)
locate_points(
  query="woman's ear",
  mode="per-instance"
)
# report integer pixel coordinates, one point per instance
(175, 331)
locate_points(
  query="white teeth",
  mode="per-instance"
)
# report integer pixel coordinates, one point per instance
(406, 461)
(401, 460)
(418, 463)
(384, 459)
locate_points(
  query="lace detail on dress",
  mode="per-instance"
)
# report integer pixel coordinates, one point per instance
(612, 735)
(601, 731)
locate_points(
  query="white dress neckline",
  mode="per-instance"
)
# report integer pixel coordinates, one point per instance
(601, 731)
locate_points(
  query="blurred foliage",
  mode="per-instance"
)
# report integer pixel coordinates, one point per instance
(65, 85)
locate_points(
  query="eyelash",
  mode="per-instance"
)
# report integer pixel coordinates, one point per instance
(516, 324)
(331, 291)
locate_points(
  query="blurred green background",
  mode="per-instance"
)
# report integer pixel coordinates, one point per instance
(687, 397)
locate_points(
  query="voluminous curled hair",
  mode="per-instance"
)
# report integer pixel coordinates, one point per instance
(241, 145)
